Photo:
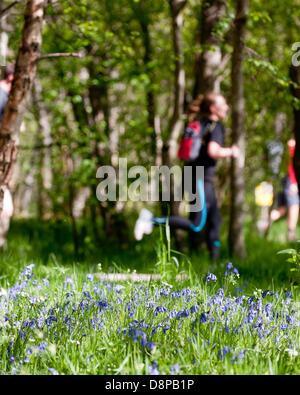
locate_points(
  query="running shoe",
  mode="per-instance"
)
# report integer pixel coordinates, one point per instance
(144, 224)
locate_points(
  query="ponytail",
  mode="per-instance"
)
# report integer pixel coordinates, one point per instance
(201, 105)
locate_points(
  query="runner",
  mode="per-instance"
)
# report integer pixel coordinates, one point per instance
(288, 199)
(213, 109)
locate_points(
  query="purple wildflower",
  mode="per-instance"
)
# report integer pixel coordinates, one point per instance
(175, 369)
(53, 371)
(211, 277)
(153, 369)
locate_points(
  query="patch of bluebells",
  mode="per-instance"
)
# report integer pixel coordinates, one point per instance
(166, 314)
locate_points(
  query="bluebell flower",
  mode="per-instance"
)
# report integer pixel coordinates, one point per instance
(102, 304)
(223, 352)
(238, 357)
(150, 345)
(14, 371)
(211, 277)
(153, 369)
(90, 277)
(166, 328)
(203, 318)
(194, 308)
(251, 317)
(250, 300)
(143, 341)
(22, 334)
(29, 351)
(175, 369)
(239, 300)
(160, 309)
(43, 346)
(182, 314)
(46, 282)
(173, 313)
(53, 371)
(68, 281)
(163, 291)
(283, 327)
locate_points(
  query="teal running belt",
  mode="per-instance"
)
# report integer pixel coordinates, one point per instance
(204, 210)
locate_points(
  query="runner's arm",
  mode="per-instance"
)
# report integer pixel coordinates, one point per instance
(215, 151)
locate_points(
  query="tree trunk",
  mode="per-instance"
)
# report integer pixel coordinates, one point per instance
(25, 191)
(102, 109)
(236, 231)
(176, 7)
(295, 76)
(149, 94)
(177, 123)
(208, 61)
(26, 64)
(45, 162)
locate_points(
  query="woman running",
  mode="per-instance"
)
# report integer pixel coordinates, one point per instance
(210, 110)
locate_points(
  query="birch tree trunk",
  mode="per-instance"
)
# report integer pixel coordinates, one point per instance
(26, 64)
(236, 231)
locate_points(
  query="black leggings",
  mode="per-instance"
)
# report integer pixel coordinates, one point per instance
(208, 217)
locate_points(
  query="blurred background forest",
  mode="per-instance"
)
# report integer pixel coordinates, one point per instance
(130, 69)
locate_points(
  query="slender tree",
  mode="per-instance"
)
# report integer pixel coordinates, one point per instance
(236, 233)
(143, 15)
(176, 7)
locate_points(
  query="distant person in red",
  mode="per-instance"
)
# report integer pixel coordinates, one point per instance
(7, 209)
(288, 200)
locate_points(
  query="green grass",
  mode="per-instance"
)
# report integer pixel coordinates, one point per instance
(99, 328)
(49, 245)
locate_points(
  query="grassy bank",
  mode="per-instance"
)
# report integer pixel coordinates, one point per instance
(57, 317)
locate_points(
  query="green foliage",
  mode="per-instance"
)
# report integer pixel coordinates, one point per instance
(294, 260)
(98, 105)
(168, 264)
